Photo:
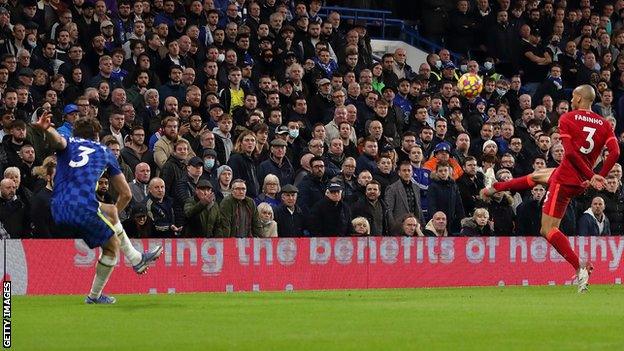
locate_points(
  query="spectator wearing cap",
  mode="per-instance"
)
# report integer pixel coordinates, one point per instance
(443, 195)
(184, 188)
(240, 215)
(289, 217)
(330, 216)
(70, 115)
(321, 103)
(442, 154)
(138, 225)
(477, 117)
(277, 164)
(403, 196)
(222, 183)
(211, 164)
(203, 216)
(449, 74)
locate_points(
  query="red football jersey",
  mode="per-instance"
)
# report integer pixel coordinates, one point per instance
(584, 135)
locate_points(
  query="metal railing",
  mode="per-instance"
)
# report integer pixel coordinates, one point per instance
(383, 19)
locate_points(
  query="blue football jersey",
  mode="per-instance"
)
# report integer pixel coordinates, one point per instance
(79, 167)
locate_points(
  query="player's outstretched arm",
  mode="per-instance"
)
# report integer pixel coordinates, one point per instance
(57, 142)
(614, 154)
(123, 189)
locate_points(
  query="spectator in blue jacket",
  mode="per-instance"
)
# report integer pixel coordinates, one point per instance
(593, 222)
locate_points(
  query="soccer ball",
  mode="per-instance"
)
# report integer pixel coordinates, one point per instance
(470, 85)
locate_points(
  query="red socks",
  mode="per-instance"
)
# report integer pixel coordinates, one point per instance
(516, 184)
(562, 244)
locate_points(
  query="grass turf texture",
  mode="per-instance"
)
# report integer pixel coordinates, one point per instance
(509, 318)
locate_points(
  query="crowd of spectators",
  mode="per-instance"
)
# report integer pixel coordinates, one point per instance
(264, 119)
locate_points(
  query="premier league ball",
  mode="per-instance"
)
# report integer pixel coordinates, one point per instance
(470, 85)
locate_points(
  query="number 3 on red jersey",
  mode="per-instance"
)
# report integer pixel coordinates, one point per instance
(590, 139)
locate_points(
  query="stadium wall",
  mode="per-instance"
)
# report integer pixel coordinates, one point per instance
(41, 267)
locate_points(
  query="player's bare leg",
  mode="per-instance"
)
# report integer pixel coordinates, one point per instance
(103, 270)
(541, 176)
(550, 231)
(140, 262)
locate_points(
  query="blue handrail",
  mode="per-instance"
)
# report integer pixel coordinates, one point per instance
(381, 18)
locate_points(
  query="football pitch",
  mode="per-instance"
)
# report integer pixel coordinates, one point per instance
(507, 318)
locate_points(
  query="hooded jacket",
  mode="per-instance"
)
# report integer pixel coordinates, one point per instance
(588, 225)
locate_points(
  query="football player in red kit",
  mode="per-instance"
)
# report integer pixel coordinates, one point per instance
(584, 134)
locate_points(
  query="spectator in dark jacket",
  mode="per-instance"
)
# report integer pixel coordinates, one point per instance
(40, 213)
(313, 185)
(373, 209)
(443, 195)
(185, 188)
(289, 217)
(239, 213)
(593, 222)
(160, 210)
(174, 168)
(243, 164)
(335, 214)
(203, 214)
(469, 184)
(614, 204)
(502, 214)
(277, 164)
(477, 225)
(529, 213)
(13, 211)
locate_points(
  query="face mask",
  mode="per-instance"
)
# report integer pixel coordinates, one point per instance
(209, 163)
(464, 68)
(220, 58)
(488, 65)
(438, 64)
(501, 92)
(32, 43)
(554, 43)
(293, 133)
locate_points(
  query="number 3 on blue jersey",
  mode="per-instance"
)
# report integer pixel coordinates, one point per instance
(84, 157)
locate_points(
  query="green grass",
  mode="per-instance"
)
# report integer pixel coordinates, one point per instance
(509, 318)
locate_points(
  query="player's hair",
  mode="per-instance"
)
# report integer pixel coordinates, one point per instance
(87, 128)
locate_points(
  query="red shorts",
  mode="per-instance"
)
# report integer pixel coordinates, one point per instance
(558, 197)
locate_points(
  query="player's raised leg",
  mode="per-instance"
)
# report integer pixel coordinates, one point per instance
(104, 268)
(141, 265)
(140, 261)
(540, 176)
